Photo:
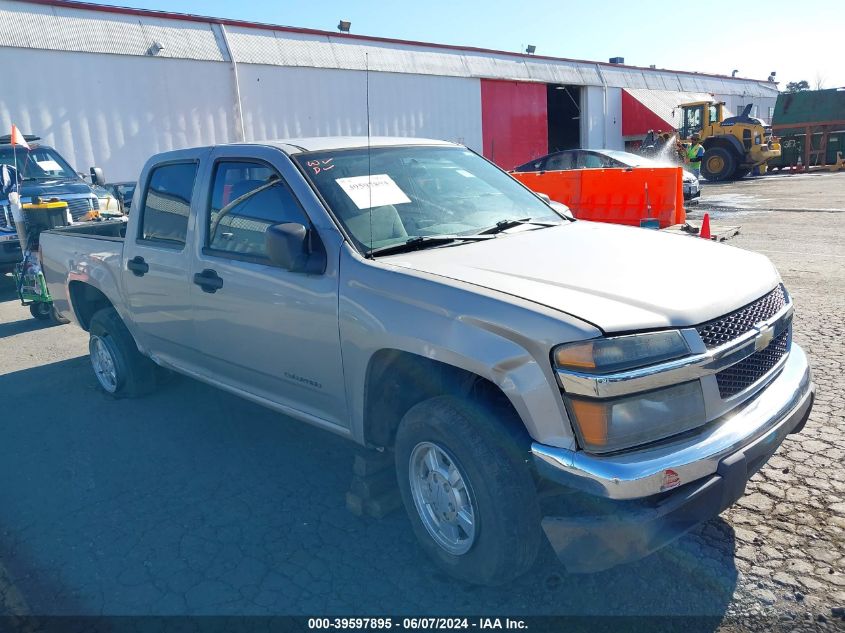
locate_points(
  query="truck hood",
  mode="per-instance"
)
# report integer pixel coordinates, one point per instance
(617, 278)
(52, 188)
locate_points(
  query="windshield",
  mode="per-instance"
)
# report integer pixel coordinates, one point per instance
(417, 192)
(39, 163)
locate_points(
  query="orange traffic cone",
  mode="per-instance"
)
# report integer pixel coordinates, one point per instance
(705, 227)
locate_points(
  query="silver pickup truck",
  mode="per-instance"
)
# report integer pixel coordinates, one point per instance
(611, 387)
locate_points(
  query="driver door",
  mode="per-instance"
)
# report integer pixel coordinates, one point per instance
(268, 332)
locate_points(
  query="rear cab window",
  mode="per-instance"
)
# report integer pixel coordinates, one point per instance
(167, 204)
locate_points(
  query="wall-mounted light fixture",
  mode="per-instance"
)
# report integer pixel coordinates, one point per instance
(344, 25)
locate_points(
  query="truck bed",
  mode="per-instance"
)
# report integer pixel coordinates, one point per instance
(81, 253)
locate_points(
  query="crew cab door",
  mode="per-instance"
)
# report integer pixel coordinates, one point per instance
(263, 330)
(157, 260)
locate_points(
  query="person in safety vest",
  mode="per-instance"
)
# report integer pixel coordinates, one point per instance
(694, 155)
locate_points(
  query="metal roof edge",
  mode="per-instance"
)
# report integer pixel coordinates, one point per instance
(105, 8)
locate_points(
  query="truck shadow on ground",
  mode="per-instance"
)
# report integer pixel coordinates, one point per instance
(193, 501)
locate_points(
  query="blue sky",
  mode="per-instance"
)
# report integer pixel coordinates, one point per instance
(797, 40)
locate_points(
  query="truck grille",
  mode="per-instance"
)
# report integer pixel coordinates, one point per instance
(727, 328)
(745, 373)
(78, 207)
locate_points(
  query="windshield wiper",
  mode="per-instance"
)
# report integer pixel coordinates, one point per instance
(504, 225)
(424, 241)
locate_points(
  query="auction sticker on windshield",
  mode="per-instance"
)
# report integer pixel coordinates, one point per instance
(49, 165)
(372, 191)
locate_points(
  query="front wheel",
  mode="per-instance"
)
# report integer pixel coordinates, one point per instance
(468, 491)
(718, 164)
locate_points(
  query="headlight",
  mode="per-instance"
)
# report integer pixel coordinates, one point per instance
(618, 353)
(611, 425)
(605, 425)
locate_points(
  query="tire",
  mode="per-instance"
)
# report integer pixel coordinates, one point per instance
(719, 164)
(496, 490)
(41, 310)
(121, 370)
(741, 173)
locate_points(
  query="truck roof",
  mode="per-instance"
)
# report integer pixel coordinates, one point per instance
(322, 143)
(293, 146)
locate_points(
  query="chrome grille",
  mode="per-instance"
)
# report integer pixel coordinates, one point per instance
(727, 328)
(78, 207)
(745, 373)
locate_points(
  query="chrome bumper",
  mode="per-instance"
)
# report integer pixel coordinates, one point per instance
(766, 419)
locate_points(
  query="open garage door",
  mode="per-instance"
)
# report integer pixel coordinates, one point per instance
(514, 123)
(564, 114)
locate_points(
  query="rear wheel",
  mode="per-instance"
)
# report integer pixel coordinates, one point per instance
(121, 370)
(467, 490)
(718, 164)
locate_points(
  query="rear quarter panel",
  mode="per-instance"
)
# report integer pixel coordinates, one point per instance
(94, 260)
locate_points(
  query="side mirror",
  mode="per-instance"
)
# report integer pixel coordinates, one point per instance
(97, 177)
(544, 197)
(293, 247)
(562, 209)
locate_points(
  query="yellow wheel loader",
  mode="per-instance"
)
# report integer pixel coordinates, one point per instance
(732, 146)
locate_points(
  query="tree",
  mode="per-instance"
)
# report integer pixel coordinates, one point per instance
(797, 86)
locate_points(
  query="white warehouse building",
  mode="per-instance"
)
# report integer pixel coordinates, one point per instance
(110, 86)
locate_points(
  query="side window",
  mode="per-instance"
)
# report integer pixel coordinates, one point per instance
(559, 162)
(588, 160)
(168, 203)
(246, 199)
(713, 114)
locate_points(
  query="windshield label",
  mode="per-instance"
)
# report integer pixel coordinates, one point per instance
(48, 165)
(367, 192)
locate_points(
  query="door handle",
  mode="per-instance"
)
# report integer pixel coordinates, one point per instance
(208, 280)
(138, 266)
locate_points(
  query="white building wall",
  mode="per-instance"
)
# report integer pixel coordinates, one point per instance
(289, 102)
(115, 111)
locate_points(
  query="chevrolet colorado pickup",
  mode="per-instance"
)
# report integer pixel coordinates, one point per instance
(611, 387)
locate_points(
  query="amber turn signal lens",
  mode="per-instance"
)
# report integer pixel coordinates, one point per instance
(593, 420)
(577, 355)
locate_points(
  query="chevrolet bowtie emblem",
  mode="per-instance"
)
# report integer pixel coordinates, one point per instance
(765, 337)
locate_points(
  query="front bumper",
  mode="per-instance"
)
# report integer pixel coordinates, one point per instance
(652, 497)
(692, 190)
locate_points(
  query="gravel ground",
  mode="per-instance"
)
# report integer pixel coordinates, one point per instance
(192, 501)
